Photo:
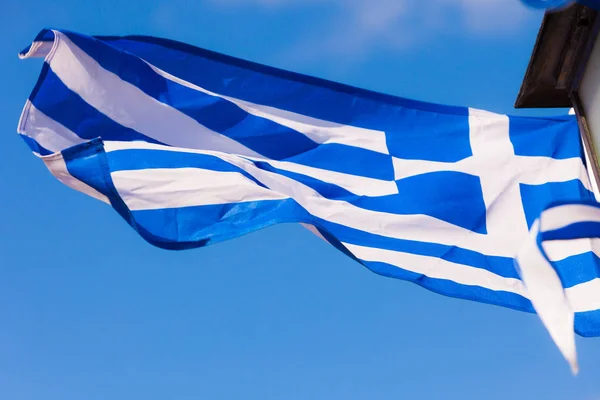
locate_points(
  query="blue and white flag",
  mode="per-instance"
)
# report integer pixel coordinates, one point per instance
(193, 147)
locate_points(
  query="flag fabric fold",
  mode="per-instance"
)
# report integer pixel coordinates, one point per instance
(193, 147)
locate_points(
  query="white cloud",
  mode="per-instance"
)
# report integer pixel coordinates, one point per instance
(493, 16)
(362, 25)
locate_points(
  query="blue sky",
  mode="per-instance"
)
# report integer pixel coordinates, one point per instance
(90, 311)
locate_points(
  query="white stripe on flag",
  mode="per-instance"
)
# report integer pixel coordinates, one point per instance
(56, 165)
(560, 217)
(38, 49)
(47, 132)
(319, 131)
(435, 267)
(585, 296)
(359, 185)
(525, 169)
(151, 189)
(131, 107)
(416, 227)
(548, 297)
(558, 250)
(314, 231)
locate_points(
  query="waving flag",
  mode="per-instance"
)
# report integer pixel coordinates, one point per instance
(192, 147)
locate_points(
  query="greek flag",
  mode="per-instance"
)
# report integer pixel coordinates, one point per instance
(193, 147)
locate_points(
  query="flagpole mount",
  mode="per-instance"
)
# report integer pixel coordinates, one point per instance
(564, 71)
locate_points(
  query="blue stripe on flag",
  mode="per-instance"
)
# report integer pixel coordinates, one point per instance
(35, 146)
(502, 266)
(66, 107)
(348, 160)
(537, 197)
(408, 124)
(87, 162)
(545, 137)
(318, 98)
(587, 324)
(198, 226)
(448, 204)
(453, 289)
(259, 134)
(415, 137)
(134, 159)
(458, 199)
(578, 268)
(327, 190)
